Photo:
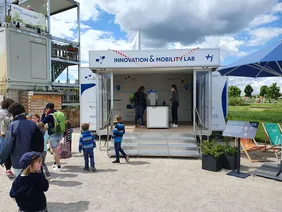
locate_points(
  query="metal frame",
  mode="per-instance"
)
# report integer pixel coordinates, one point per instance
(196, 113)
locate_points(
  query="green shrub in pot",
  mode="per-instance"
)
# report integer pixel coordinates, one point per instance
(212, 156)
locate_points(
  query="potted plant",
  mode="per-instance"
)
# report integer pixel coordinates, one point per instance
(211, 156)
(230, 158)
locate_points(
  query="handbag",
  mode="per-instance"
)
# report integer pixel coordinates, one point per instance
(64, 149)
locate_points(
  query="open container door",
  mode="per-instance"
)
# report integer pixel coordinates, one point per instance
(202, 102)
(103, 103)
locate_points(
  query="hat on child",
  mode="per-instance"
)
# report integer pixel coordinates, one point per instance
(28, 158)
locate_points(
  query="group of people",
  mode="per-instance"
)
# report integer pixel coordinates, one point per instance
(18, 135)
(140, 105)
(17, 150)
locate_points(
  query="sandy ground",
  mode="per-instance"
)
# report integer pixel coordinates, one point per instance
(149, 185)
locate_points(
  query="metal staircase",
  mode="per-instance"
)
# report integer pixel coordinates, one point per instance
(152, 144)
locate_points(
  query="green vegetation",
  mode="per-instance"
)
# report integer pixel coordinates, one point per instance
(236, 101)
(248, 90)
(234, 91)
(271, 113)
(209, 148)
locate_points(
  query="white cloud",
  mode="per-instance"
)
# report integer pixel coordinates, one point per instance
(229, 45)
(267, 18)
(65, 24)
(100, 40)
(264, 19)
(277, 7)
(262, 35)
(256, 84)
(198, 23)
(184, 22)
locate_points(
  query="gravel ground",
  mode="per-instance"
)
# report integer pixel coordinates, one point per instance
(149, 185)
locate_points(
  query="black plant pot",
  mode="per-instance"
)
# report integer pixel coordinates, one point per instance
(229, 161)
(211, 164)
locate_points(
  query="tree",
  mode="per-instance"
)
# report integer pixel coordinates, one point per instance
(263, 90)
(234, 91)
(273, 92)
(248, 90)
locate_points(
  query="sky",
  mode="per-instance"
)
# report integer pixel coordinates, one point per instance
(238, 28)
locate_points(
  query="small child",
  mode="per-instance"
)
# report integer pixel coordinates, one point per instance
(68, 134)
(29, 187)
(42, 128)
(87, 144)
(118, 133)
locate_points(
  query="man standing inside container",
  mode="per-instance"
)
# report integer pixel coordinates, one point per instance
(140, 104)
(56, 127)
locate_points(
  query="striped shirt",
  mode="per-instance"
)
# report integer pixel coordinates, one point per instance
(87, 141)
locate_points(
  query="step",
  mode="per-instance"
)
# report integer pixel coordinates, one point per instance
(179, 153)
(126, 145)
(158, 144)
(159, 136)
(158, 153)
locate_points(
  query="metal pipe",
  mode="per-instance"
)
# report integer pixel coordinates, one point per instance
(52, 75)
(79, 45)
(194, 100)
(139, 39)
(5, 8)
(67, 81)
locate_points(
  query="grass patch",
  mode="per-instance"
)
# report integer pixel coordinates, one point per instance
(267, 113)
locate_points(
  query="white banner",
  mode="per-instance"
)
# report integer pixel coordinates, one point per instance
(25, 16)
(219, 101)
(154, 58)
(88, 97)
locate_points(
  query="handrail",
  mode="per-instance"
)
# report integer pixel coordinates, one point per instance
(110, 124)
(201, 129)
(199, 117)
(107, 125)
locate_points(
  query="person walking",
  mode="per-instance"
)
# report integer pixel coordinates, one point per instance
(56, 127)
(140, 104)
(5, 120)
(43, 154)
(175, 104)
(118, 133)
(18, 138)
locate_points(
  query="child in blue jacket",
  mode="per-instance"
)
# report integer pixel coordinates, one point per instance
(118, 133)
(87, 144)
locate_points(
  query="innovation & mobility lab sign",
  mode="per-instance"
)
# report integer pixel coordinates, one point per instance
(154, 58)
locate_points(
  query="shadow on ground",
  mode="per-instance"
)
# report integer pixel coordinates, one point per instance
(50, 163)
(65, 183)
(79, 169)
(106, 170)
(80, 206)
(62, 175)
(138, 163)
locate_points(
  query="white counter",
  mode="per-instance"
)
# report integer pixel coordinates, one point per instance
(158, 116)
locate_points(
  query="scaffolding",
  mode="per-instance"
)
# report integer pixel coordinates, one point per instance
(62, 53)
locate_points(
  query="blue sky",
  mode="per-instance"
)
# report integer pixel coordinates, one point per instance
(238, 29)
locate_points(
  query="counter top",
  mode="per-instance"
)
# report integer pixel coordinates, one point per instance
(158, 105)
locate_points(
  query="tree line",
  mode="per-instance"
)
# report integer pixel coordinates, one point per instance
(268, 92)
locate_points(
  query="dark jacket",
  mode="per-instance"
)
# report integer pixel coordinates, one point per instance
(29, 192)
(140, 99)
(49, 119)
(18, 140)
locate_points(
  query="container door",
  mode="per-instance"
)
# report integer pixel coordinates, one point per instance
(202, 102)
(103, 102)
